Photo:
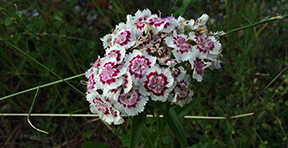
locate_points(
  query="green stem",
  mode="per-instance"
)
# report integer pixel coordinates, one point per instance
(257, 23)
(42, 86)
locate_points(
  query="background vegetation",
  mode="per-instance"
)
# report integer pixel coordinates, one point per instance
(64, 36)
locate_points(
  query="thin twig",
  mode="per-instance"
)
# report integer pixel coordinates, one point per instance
(95, 115)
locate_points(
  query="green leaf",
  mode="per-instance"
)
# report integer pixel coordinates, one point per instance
(151, 141)
(125, 139)
(92, 144)
(188, 107)
(176, 127)
(8, 21)
(137, 125)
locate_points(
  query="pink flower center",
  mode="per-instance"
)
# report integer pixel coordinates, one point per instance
(137, 65)
(156, 83)
(130, 99)
(109, 73)
(123, 38)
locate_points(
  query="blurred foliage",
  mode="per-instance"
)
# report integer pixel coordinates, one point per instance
(64, 36)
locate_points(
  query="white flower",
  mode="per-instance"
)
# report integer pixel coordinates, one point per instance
(182, 94)
(131, 103)
(101, 105)
(162, 25)
(106, 40)
(182, 50)
(157, 83)
(139, 20)
(199, 68)
(125, 38)
(205, 45)
(137, 62)
(117, 52)
(110, 74)
(177, 72)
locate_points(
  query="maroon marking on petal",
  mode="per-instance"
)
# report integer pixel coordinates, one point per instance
(182, 90)
(176, 72)
(158, 23)
(107, 100)
(107, 111)
(181, 43)
(130, 99)
(137, 65)
(96, 100)
(166, 25)
(116, 53)
(91, 83)
(115, 114)
(199, 67)
(109, 73)
(123, 38)
(201, 48)
(140, 25)
(114, 90)
(97, 63)
(205, 44)
(154, 75)
(110, 81)
(125, 81)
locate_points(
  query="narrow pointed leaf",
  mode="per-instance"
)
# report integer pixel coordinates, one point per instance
(176, 127)
(137, 125)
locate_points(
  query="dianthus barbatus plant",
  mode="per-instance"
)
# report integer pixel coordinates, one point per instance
(150, 57)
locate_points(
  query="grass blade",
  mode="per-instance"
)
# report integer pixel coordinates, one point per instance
(137, 125)
(176, 127)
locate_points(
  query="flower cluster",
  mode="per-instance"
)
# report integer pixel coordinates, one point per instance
(150, 57)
